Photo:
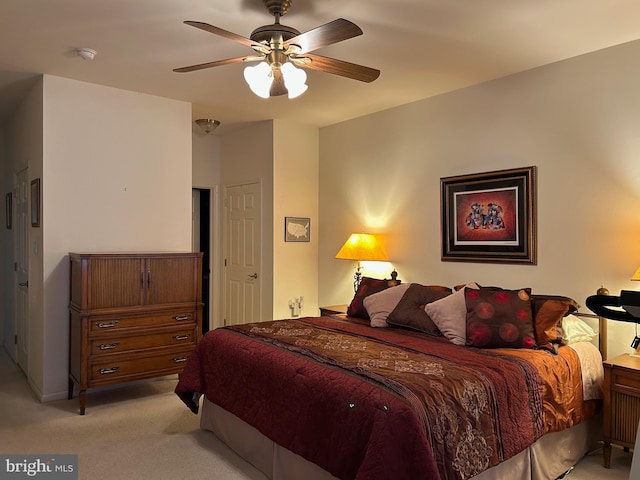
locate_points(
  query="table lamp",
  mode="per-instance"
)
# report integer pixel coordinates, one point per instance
(362, 247)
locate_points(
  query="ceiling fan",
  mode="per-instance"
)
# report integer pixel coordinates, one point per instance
(281, 48)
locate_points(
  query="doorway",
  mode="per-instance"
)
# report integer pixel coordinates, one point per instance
(201, 242)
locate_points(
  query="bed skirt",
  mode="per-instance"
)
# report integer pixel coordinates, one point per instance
(547, 459)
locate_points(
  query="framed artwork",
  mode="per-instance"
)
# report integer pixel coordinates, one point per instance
(490, 217)
(297, 229)
(35, 202)
(9, 210)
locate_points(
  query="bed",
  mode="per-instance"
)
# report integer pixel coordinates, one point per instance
(346, 396)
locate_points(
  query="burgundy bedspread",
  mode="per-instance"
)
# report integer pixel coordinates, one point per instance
(367, 403)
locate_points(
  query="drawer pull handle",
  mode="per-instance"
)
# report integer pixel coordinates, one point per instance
(181, 337)
(106, 371)
(180, 359)
(104, 346)
(179, 318)
(110, 324)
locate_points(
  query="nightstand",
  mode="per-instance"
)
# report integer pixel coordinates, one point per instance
(621, 403)
(332, 310)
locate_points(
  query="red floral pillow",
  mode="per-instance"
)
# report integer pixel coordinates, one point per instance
(498, 318)
(368, 286)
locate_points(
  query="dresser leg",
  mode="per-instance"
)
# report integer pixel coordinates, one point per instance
(607, 454)
(82, 396)
(71, 385)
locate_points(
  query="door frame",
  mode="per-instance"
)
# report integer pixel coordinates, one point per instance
(205, 222)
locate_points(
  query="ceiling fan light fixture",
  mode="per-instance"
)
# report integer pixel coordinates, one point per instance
(259, 78)
(207, 125)
(294, 79)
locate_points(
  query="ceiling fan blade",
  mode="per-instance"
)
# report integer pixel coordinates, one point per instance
(223, 33)
(340, 67)
(278, 87)
(327, 34)
(217, 63)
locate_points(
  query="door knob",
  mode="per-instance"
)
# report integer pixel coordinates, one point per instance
(24, 284)
(254, 276)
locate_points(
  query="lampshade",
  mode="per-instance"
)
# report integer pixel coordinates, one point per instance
(362, 246)
(636, 276)
(259, 78)
(294, 80)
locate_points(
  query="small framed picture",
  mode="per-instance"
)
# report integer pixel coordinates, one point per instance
(35, 202)
(297, 229)
(490, 217)
(9, 211)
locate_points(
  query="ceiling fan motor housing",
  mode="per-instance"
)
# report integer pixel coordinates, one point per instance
(269, 33)
(278, 7)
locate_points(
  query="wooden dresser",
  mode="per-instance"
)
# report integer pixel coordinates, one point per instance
(132, 316)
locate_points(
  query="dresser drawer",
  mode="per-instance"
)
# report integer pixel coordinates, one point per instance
(166, 338)
(111, 323)
(114, 370)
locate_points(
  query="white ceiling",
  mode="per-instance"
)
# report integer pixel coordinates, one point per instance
(422, 47)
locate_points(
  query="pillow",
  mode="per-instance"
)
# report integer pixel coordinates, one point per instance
(576, 330)
(498, 318)
(368, 286)
(410, 310)
(449, 315)
(380, 305)
(548, 312)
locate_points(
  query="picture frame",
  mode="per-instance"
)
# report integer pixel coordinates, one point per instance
(9, 210)
(35, 202)
(490, 217)
(297, 229)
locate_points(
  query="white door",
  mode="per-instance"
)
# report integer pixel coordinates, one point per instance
(242, 254)
(21, 269)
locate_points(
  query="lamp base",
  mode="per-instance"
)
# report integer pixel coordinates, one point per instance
(357, 278)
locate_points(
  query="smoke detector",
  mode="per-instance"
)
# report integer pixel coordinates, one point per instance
(86, 53)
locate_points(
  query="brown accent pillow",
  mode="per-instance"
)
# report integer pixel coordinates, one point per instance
(380, 305)
(410, 310)
(548, 312)
(368, 286)
(498, 318)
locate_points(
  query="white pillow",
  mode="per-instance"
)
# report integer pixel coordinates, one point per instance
(576, 330)
(450, 315)
(380, 305)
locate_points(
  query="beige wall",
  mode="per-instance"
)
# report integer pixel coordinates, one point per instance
(295, 186)
(247, 157)
(116, 176)
(24, 145)
(577, 120)
(283, 157)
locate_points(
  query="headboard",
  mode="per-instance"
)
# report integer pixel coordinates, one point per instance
(602, 324)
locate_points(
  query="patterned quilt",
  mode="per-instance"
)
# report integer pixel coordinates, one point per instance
(367, 403)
